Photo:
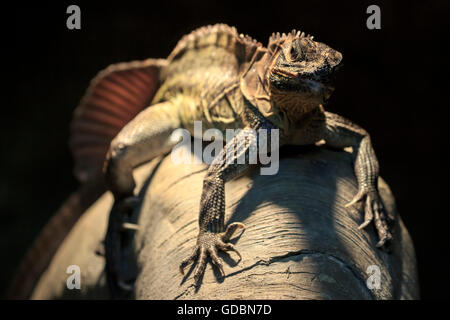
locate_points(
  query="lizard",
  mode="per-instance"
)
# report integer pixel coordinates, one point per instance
(226, 80)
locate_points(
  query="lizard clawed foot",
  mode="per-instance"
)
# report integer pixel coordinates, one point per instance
(126, 206)
(208, 243)
(374, 211)
(117, 238)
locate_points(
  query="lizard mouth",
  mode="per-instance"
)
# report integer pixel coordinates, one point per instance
(320, 87)
(324, 81)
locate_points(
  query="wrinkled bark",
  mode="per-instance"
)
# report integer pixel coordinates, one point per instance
(300, 242)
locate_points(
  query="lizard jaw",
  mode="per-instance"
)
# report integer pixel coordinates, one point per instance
(314, 85)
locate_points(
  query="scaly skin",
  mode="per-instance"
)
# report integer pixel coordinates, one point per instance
(230, 81)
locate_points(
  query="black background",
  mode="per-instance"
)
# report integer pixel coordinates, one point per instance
(394, 84)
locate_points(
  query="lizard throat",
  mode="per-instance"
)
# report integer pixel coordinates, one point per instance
(293, 104)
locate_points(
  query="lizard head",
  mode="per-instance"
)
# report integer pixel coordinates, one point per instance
(301, 71)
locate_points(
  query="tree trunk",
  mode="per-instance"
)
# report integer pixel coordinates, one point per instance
(300, 242)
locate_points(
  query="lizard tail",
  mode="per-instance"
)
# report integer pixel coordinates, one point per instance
(52, 235)
(114, 97)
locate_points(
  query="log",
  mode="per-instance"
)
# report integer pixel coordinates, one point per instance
(300, 241)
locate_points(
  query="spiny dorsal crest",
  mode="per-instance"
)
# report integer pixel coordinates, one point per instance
(277, 39)
(220, 35)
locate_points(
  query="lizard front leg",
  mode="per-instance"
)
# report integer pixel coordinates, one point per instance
(339, 132)
(145, 137)
(213, 235)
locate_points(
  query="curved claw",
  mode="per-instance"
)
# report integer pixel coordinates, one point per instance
(216, 260)
(125, 286)
(358, 197)
(230, 247)
(368, 214)
(188, 260)
(200, 269)
(381, 223)
(231, 229)
(130, 226)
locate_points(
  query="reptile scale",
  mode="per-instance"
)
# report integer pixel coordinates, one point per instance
(228, 81)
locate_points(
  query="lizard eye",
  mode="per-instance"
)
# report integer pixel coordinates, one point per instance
(293, 53)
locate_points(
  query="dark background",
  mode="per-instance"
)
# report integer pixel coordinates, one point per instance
(393, 84)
